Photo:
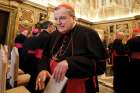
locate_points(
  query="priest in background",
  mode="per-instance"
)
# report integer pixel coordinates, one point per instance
(19, 43)
(133, 48)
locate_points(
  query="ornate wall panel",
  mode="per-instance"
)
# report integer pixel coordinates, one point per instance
(29, 14)
(111, 28)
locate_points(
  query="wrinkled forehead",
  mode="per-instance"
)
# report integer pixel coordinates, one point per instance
(64, 11)
(61, 10)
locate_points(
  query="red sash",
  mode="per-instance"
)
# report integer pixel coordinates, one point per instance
(114, 54)
(135, 55)
(18, 45)
(38, 53)
(72, 86)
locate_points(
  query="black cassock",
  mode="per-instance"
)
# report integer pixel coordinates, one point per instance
(19, 41)
(133, 48)
(33, 52)
(120, 67)
(81, 47)
(44, 37)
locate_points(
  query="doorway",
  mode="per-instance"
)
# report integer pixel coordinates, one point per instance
(4, 17)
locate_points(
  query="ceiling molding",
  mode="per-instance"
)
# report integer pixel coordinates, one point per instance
(19, 1)
(85, 21)
(114, 20)
(137, 17)
(36, 5)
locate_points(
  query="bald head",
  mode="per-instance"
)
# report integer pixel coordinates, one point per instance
(120, 35)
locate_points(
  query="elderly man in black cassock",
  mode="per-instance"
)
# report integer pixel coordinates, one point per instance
(133, 48)
(73, 52)
(120, 64)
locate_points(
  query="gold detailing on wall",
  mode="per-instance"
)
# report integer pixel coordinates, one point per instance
(5, 6)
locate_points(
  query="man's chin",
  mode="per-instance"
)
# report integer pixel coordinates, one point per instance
(61, 31)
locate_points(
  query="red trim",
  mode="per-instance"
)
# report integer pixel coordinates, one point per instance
(94, 81)
(72, 86)
(53, 64)
(112, 55)
(38, 53)
(18, 45)
(135, 55)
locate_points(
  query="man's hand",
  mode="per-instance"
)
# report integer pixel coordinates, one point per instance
(60, 70)
(41, 78)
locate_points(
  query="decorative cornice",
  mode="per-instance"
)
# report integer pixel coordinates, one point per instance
(137, 17)
(114, 20)
(36, 5)
(19, 1)
(84, 21)
(14, 4)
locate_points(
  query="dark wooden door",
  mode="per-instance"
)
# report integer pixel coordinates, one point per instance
(4, 16)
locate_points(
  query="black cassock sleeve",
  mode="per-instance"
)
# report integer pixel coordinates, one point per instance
(44, 62)
(88, 50)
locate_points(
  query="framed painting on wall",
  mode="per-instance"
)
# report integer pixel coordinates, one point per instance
(111, 29)
(111, 32)
(43, 16)
(124, 27)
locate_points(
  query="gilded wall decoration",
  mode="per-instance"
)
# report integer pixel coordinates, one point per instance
(26, 15)
(138, 1)
(122, 28)
(51, 14)
(26, 18)
(138, 23)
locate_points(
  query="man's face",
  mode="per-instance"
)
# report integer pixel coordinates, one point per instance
(64, 20)
(51, 28)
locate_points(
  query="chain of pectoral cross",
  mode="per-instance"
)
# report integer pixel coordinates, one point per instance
(64, 46)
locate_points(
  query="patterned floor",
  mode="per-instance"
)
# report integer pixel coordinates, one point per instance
(105, 84)
(106, 80)
(105, 89)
